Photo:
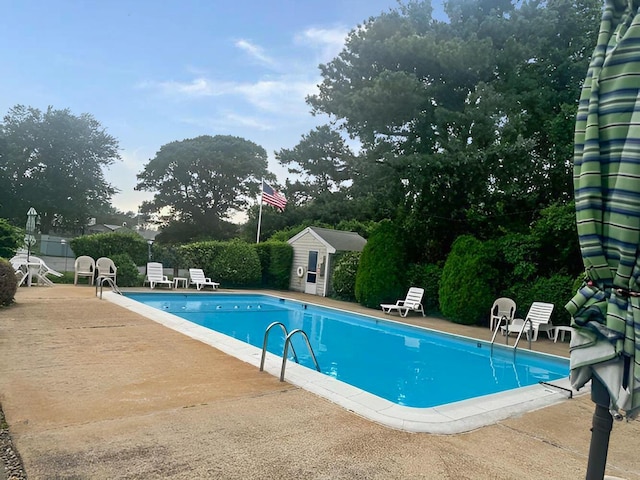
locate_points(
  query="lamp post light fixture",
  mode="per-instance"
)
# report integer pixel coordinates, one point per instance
(149, 242)
(63, 242)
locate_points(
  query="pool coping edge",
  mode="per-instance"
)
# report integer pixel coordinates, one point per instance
(452, 418)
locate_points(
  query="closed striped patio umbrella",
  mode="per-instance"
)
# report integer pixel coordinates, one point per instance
(606, 309)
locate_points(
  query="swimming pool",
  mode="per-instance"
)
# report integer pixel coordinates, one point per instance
(385, 366)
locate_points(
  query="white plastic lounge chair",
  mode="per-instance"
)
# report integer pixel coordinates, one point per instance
(538, 320)
(106, 268)
(502, 312)
(84, 266)
(412, 303)
(156, 276)
(200, 281)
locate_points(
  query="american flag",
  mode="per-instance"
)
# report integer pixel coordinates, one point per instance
(272, 197)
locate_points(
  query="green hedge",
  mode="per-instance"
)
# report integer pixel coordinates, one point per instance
(127, 274)
(557, 289)
(428, 277)
(232, 264)
(465, 291)
(276, 259)
(110, 244)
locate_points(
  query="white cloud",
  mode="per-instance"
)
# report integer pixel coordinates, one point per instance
(327, 41)
(247, 121)
(255, 52)
(198, 87)
(228, 121)
(134, 160)
(283, 95)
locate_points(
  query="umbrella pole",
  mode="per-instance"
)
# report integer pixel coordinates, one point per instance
(600, 431)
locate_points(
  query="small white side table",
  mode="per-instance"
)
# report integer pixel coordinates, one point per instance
(561, 330)
(180, 280)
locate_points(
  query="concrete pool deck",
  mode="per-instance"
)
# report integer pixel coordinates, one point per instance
(93, 390)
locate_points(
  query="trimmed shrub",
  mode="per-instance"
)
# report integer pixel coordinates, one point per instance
(8, 283)
(168, 255)
(232, 264)
(276, 259)
(465, 291)
(381, 273)
(111, 244)
(128, 274)
(10, 239)
(427, 277)
(557, 289)
(344, 276)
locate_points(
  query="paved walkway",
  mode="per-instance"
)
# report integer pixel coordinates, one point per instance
(93, 391)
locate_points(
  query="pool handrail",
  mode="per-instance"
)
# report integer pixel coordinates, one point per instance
(100, 281)
(286, 348)
(515, 345)
(266, 338)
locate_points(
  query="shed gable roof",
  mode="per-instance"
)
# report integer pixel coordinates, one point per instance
(335, 240)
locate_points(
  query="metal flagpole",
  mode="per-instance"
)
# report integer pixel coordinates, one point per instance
(260, 214)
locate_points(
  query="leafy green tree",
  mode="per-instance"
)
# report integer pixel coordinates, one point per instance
(466, 126)
(322, 157)
(11, 239)
(203, 180)
(54, 161)
(556, 235)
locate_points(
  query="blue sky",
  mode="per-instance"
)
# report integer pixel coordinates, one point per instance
(152, 72)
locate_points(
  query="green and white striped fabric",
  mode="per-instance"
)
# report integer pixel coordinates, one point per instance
(606, 310)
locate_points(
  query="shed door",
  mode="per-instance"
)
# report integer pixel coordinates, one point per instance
(312, 274)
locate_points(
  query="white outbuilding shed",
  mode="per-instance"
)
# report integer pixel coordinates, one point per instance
(313, 250)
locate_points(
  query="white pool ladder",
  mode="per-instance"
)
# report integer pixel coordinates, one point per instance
(287, 342)
(100, 281)
(506, 336)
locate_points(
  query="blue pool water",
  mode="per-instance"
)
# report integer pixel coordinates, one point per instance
(406, 365)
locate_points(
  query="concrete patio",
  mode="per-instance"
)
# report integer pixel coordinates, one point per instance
(91, 390)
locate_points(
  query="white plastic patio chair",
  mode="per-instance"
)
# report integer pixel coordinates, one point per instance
(106, 268)
(503, 311)
(84, 266)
